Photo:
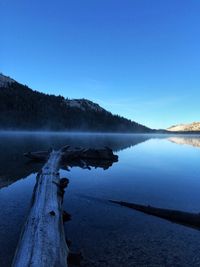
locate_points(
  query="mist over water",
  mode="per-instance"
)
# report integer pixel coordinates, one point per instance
(155, 170)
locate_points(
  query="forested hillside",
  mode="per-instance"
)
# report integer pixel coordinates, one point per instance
(24, 109)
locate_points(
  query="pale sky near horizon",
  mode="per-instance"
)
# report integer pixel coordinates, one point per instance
(136, 58)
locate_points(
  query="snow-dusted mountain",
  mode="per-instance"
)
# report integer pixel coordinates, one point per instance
(24, 108)
(191, 127)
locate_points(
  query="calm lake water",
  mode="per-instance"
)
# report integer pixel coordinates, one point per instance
(157, 170)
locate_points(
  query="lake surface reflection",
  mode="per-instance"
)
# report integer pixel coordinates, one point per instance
(157, 170)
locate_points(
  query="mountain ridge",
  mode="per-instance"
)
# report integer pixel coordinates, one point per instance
(24, 108)
(5, 80)
(187, 127)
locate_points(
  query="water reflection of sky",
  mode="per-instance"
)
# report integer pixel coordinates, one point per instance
(15, 202)
(156, 172)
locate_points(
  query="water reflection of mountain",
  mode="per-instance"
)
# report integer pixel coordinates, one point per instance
(192, 141)
(14, 166)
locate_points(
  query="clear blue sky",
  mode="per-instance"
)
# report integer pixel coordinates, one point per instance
(136, 58)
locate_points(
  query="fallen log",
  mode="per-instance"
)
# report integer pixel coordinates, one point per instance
(42, 242)
(176, 216)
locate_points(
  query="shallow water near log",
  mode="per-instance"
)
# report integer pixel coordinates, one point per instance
(157, 170)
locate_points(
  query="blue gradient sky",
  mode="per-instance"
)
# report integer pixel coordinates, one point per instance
(136, 58)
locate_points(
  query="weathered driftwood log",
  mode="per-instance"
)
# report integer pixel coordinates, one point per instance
(42, 242)
(180, 217)
(90, 153)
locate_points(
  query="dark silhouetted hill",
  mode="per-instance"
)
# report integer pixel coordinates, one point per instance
(22, 108)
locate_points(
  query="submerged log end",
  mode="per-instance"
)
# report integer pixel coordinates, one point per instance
(176, 216)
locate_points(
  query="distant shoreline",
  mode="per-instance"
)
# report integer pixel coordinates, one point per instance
(154, 132)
